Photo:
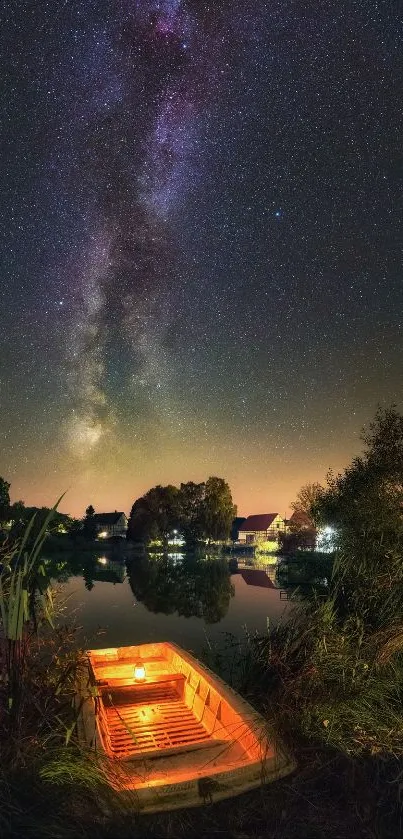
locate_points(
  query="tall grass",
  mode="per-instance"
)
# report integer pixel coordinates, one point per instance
(25, 600)
(39, 659)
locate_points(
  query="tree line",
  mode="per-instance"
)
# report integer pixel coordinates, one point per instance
(15, 517)
(200, 512)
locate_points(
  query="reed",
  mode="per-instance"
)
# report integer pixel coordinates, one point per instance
(25, 600)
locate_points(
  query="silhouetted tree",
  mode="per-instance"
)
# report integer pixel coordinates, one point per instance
(21, 516)
(191, 522)
(199, 511)
(4, 501)
(89, 523)
(304, 506)
(155, 514)
(365, 507)
(219, 510)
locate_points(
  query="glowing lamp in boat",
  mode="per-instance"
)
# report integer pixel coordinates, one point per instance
(139, 673)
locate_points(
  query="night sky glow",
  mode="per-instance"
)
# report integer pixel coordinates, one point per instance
(201, 224)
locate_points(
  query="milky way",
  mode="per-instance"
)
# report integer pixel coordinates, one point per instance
(142, 135)
(201, 215)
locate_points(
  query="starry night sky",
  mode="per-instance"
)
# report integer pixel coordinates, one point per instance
(201, 225)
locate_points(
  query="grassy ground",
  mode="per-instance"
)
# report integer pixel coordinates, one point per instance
(332, 687)
(329, 796)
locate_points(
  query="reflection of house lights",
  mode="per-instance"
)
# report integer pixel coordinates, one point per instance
(139, 672)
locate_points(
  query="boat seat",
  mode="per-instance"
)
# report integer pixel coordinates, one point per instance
(131, 683)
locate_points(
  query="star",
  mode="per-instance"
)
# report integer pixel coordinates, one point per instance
(207, 328)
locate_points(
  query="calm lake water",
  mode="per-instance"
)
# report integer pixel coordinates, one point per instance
(193, 602)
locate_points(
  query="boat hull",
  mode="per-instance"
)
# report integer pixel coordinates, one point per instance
(182, 738)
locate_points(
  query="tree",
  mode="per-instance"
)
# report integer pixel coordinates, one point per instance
(164, 504)
(141, 526)
(304, 506)
(155, 514)
(198, 510)
(191, 522)
(364, 506)
(303, 539)
(4, 501)
(219, 510)
(20, 517)
(89, 523)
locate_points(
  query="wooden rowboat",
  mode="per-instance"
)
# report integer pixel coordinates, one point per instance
(172, 731)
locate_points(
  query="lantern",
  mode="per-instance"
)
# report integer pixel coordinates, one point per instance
(139, 672)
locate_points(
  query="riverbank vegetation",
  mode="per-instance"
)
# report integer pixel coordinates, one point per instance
(330, 678)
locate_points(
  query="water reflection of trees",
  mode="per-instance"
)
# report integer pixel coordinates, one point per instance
(191, 586)
(308, 573)
(87, 564)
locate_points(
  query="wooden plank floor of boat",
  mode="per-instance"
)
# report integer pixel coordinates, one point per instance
(153, 721)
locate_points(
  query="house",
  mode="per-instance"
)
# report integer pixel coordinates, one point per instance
(261, 528)
(110, 524)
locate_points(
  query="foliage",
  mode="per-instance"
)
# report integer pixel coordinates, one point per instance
(198, 511)
(219, 510)
(304, 506)
(364, 505)
(336, 667)
(191, 523)
(90, 529)
(56, 522)
(297, 540)
(73, 768)
(266, 546)
(38, 662)
(154, 515)
(340, 685)
(4, 500)
(24, 600)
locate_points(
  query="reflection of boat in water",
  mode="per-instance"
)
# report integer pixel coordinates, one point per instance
(173, 732)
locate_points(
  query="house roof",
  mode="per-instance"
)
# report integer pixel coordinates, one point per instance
(256, 577)
(260, 522)
(301, 519)
(107, 518)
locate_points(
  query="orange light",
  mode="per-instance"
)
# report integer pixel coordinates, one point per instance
(139, 672)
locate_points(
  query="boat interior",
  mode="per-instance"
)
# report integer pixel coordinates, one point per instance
(153, 701)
